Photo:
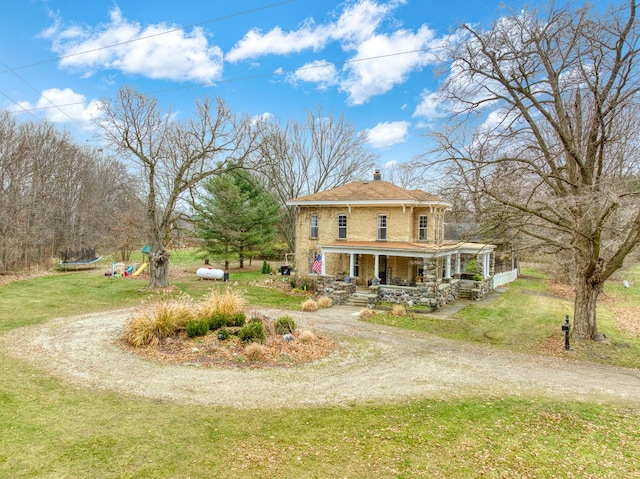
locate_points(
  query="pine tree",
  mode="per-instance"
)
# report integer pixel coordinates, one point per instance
(237, 217)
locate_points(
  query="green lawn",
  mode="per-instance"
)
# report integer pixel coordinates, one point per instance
(528, 318)
(51, 429)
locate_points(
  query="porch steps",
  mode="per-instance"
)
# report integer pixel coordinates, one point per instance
(358, 299)
(466, 289)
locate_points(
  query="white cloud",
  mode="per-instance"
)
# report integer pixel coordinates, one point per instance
(356, 30)
(265, 117)
(71, 107)
(387, 134)
(356, 23)
(177, 55)
(401, 53)
(321, 72)
(430, 106)
(277, 42)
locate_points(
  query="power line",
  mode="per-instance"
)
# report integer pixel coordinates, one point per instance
(253, 77)
(213, 20)
(25, 110)
(39, 93)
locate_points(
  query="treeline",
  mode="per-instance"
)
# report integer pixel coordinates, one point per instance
(56, 195)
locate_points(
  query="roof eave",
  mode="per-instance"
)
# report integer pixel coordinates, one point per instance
(444, 204)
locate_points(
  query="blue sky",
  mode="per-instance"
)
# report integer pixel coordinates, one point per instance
(371, 60)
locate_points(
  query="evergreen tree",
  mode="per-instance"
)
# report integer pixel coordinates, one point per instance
(237, 217)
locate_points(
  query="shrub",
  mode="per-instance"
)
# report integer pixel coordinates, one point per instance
(252, 332)
(472, 266)
(307, 336)
(285, 325)
(266, 268)
(367, 313)
(162, 321)
(310, 305)
(223, 334)
(219, 320)
(398, 310)
(325, 302)
(255, 352)
(237, 319)
(197, 327)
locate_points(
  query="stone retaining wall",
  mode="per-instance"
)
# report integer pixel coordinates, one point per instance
(429, 294)
(336, 290)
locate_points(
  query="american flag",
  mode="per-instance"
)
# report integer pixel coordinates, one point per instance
(317, 265)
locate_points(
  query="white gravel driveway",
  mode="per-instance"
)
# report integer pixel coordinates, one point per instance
(374, 364)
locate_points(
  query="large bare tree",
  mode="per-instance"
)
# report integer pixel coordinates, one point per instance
(547, 103)
(173, 157)
(304, 158)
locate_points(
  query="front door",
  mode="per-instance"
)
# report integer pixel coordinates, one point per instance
(382, 269)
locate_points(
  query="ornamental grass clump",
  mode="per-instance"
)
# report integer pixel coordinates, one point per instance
(166, 319)
(398, 310)
(325, 302)
(310, 305)
(255, 352)
(307, 336)
(231, 301)
(367, 313)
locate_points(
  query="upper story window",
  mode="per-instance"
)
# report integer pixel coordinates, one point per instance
(313, 226)
(422, 228)
(342, 226)
(382, 227)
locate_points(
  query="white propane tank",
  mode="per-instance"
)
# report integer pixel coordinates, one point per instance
(210, 273)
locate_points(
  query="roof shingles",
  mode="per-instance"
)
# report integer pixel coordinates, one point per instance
(377, 190)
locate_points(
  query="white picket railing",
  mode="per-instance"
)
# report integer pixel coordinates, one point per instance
(504, 278)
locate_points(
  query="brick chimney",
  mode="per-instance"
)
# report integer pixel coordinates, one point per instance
(377, 176)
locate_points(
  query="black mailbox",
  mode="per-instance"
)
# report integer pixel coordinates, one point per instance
(566, 328)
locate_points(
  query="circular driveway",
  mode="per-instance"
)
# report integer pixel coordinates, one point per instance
(373, 364)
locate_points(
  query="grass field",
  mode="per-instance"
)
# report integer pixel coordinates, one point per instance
(51, 429)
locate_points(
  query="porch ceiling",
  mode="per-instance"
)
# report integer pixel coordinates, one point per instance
(399, 248)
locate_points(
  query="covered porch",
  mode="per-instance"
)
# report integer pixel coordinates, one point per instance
(404, 264)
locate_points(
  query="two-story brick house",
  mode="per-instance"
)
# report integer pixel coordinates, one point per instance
(375, 229)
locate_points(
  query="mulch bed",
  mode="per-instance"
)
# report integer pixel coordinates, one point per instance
(210, 351)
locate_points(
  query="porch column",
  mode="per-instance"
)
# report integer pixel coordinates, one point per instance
(458, 265)
(447, 266)
(351, 264)
(324, 263)
(376, 268)
(485, 265)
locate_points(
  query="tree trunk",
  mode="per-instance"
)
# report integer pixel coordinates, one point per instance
(159, 268)
(584, 325)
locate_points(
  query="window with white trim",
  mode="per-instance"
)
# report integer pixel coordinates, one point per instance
(342, 226)
(422, 228)
(313, 226)
(382, 227)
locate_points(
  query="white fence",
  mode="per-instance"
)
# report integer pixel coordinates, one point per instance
(504, 278)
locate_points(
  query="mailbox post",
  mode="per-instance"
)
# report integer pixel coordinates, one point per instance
(566, 327)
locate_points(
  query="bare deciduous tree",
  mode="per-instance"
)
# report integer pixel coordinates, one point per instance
(302, 159)
(54, 195)
(557, 93)
(173, 157)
